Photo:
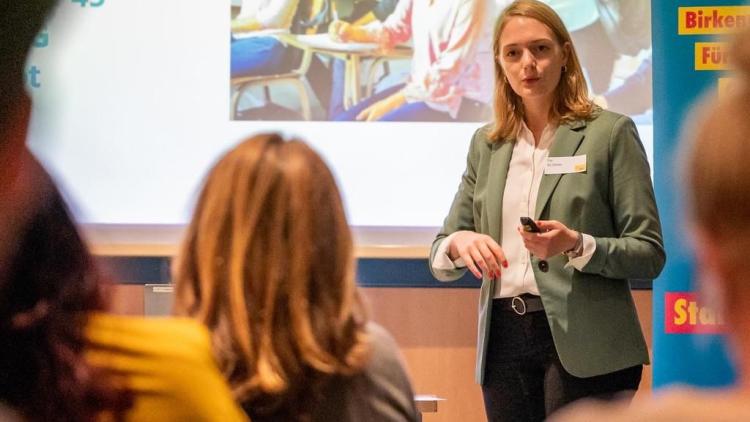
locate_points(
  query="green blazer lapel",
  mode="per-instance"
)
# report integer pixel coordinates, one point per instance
(498, 172)
(567, 140)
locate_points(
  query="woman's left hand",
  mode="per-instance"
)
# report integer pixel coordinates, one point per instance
(554, 238)
(382, 107)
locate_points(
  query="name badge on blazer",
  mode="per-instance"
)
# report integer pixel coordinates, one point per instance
(565, 165)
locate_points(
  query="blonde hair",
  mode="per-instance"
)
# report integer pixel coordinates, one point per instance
(268, 266)
(571, 96)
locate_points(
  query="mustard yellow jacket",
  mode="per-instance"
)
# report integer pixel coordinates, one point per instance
(168, 365)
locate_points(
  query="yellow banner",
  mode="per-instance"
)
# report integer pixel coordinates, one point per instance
(711, 56)
(712, 19)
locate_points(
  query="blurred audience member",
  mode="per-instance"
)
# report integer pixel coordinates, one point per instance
(19, 25)
(44, 375)
(268, 266)
(62, 360)
(48, 290)
(717, 188)
(59, 359)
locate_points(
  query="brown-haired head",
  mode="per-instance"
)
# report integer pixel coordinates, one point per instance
(571, 96)
(268, 266)
(716, 174)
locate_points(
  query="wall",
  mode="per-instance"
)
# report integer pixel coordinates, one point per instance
(436, 330)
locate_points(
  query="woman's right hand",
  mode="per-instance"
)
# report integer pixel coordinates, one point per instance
(337, 30)
(480, 253)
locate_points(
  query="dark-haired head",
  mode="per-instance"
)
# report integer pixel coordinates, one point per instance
(48, 281)
(20, 21)
(49, 287)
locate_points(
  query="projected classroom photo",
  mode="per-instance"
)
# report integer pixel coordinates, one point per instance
(129, 125)
(413, 60)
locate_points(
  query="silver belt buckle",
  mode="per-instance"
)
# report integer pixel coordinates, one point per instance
(518, 305)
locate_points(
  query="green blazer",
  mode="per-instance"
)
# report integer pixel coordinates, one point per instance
(591, 312)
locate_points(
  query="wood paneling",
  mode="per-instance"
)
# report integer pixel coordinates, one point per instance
(436, 331)
(126, 299)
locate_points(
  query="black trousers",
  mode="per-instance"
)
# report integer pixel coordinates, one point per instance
(524, 379)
